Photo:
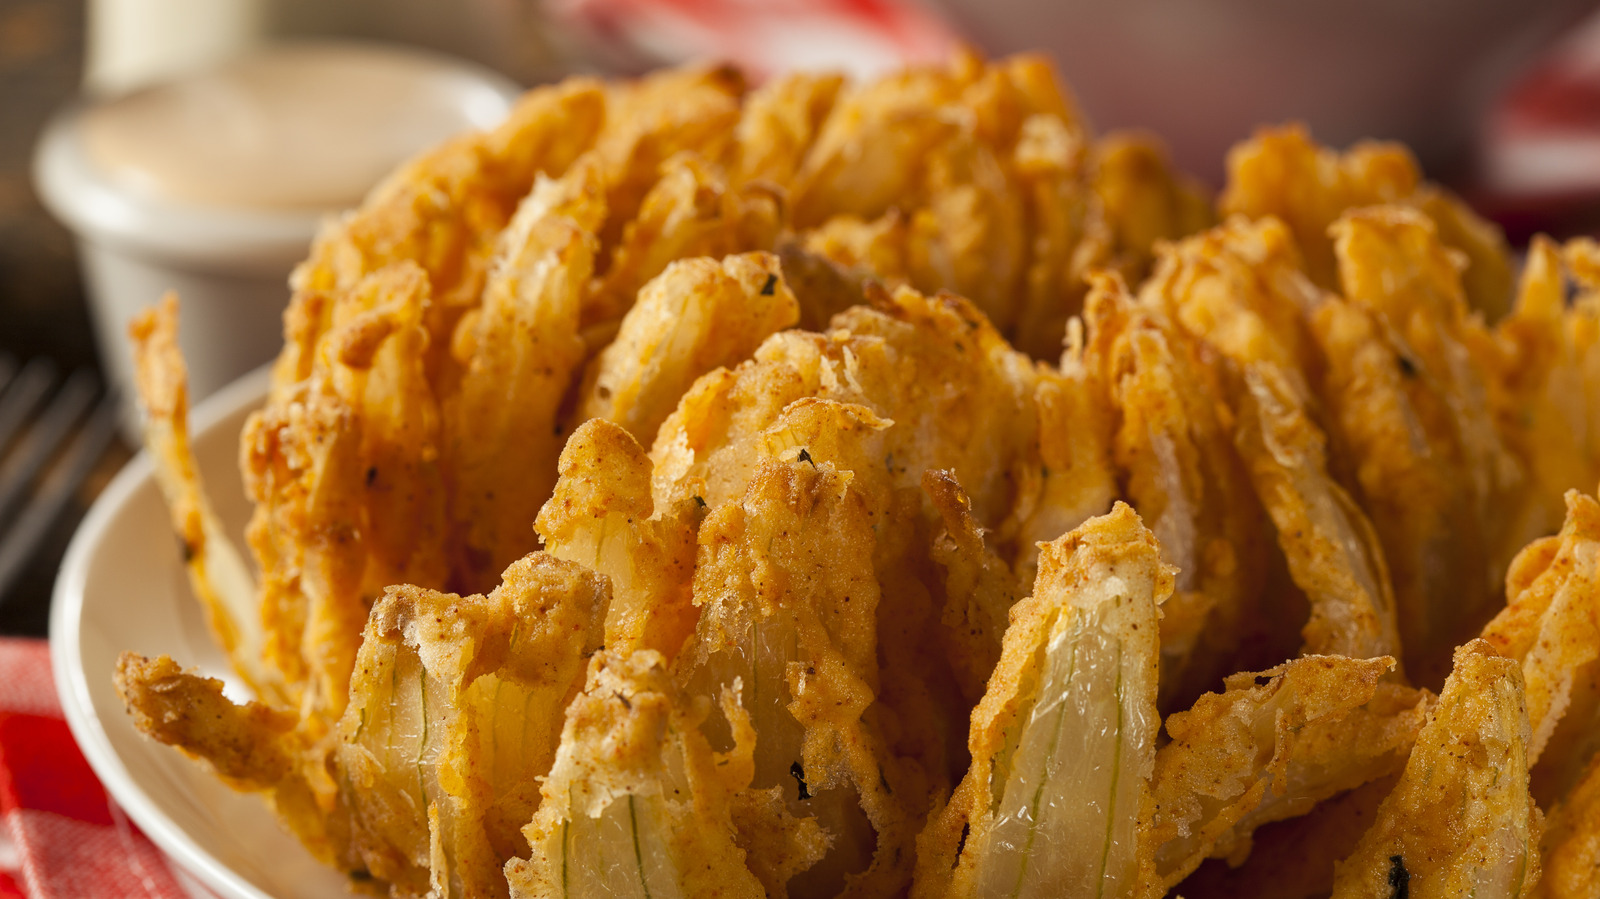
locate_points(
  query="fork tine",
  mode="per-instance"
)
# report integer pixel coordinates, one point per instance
(17, 544)
(22, 393)
(46, 435)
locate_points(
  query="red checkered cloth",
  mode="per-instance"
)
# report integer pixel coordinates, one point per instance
(61, 836)
(763, 37)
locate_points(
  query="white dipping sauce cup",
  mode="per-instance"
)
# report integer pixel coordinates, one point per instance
(229, 264)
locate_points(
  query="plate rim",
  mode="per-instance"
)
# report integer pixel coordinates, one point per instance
(66, 657)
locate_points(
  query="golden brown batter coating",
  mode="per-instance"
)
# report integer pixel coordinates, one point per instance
(1063, 741)
(790, 559)
(1460, 822)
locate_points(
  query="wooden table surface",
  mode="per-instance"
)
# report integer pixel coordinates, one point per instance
(42, 309)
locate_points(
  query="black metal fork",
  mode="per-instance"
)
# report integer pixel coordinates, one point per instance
(52, 432)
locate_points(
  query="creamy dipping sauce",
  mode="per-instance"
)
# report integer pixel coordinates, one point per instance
(302, 127)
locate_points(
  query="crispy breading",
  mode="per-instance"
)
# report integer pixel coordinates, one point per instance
(1064, 740)
(1397, 472)
(778, 844)
(690, 211)
(557, 210)
(1077, 480)
(982, 419)
(1533, 362)
(866, 155)
(444, 211)
(972, 178)
(601, 516)
(376, 368)
(300, 461)
(968, 236)
(217, 572)
(1392, 263)
(1295, 858)
(959, 397)
(1572, 744)
(788, 599)
(1007, 93)
(1460, 821)
(1069, 234)
(502, 417)
(1552, 625)
(1489, 278)
(455, 715)
(1410, 423)
(809, 579)
(1240, 291)
(1270, 747)
(348, 489)
(822, 287)
(1543, 366)
(697, 315)
(244, 744)
(636, 804)
(779, 121)
(1280, 172)
(916, 686)
(864, 249)
(1332, 552)
(979, 586)
(1174, 455)
(649, 121)
(1570, 848)
(1144, 201)
(1087, 205)
(1241, 288)
(940, 389)
(254, 747)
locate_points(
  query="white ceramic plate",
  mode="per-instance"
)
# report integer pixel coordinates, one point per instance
(122, 586)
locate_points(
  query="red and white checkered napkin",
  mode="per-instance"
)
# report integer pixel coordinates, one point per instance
(1541, 142)
(61, 836)
(763, 37)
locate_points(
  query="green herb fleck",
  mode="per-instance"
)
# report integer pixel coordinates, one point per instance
(1399, 878)
(638, 854)
(799, 775)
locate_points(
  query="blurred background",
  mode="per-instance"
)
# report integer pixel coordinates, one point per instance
(1500, 99)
